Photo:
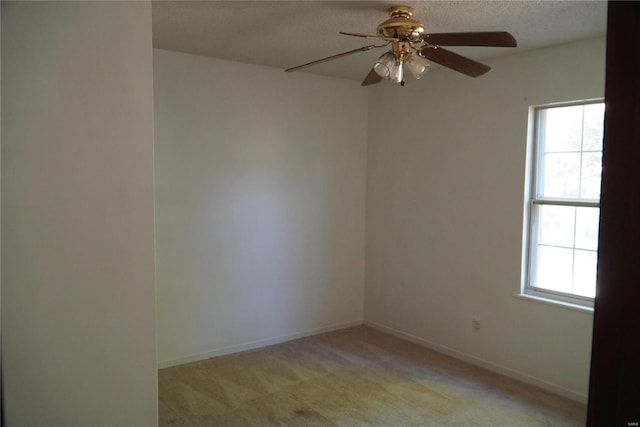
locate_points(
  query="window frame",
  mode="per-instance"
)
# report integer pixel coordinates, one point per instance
(533, 174)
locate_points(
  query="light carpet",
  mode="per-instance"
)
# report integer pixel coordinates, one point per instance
(352, 377)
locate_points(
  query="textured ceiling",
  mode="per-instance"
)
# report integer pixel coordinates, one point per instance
(283, 34)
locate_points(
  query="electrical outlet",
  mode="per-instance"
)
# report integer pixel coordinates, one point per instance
(476, 325)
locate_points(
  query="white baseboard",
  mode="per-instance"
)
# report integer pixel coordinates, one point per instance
(500, 369)
(255, 344)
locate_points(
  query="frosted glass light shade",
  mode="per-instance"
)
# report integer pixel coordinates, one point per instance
(384, 64)
(417, 66)
(395, 73)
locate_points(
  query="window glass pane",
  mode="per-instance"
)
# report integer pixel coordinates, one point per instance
(591, 175)
(562, 129)
(556, 225)
(593, 127)
(584, 273)
(561, 175)
(553, 268)
(587, 220)
(564, 236)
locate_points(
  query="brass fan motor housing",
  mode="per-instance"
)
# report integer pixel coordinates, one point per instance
(400, 25)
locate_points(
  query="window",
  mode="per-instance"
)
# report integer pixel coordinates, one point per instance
(564, 202)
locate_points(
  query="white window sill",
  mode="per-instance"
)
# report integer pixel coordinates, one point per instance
(557, 303)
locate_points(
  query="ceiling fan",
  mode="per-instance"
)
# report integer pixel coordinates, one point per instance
(411, 47)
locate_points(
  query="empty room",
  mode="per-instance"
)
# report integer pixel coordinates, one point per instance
(401, 229)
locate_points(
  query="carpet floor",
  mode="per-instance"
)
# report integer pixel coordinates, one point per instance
(352, 377)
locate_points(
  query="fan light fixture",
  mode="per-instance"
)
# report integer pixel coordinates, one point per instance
(390, 67)
(410, 45)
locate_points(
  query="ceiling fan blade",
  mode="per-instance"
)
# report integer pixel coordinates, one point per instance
(329, 58)
(391, 39)
(454, 61)
(371, 79)
(487, 38)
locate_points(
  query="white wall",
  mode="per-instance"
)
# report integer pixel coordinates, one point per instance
(445, 182)
(78, 311)
(260, 198)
